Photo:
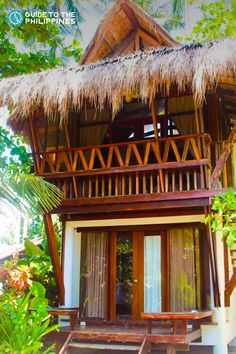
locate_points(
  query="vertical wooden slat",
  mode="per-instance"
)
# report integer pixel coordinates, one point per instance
(83, 187)
(166, 181)
(158, 182)
(130, 184)
(89, 187)
(195, 180)
(96, 186)
(173, 180)
(180, 181)
(151, 182)
(188, 180)
(154, 118)
(34, 140)
(70, 158)
(103, 186)
(137, 182)
(65, 189)
(123, 184)
(116, 185)
(144, 183)
(109, 185)
(202, 177)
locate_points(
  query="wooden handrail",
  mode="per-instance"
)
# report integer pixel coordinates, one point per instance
(178, 137)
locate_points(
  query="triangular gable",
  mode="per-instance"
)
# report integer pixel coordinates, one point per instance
(125, 28)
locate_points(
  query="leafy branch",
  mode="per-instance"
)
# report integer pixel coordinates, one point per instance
(223, 216)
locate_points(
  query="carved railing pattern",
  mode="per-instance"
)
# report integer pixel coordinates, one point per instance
(139, 167)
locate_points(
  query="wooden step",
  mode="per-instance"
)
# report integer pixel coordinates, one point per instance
(104, 346)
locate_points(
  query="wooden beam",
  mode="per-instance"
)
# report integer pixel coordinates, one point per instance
(120, 48)
(131, 207)
(54, 256)
(223, 158)
(137, 41)
(149, 37)
(109, 45)
(123, 169)
(230, 287)
(131, 15)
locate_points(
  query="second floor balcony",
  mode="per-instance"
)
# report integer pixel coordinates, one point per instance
(130, 169)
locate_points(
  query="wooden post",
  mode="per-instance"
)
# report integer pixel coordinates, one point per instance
(54, 256)
(223, 157)
(154, 120)
(34, 143)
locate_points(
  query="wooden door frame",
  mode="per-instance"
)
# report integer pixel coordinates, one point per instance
(138, 272)
(165, 266)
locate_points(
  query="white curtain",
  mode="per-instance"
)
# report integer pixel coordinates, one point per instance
(182, 269)
(152, 274)
(93, 277)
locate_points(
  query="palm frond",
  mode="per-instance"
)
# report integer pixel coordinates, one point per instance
(29, 192)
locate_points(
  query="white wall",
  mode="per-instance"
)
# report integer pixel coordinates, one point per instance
(72, 266)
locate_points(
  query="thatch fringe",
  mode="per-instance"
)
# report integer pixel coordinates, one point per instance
(198, 67)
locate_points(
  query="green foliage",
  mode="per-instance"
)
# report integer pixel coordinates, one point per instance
(24, 191)
(218, 21)
(13, 155)
(28, 192)
(40, 264)
(21, 330)
(223, 216)
(32, 250)
(41, 46)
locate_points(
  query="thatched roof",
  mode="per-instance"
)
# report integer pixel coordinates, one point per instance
(198, 67)
(122, 22)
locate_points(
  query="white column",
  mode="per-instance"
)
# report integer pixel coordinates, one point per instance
(220, 313)
(71, 266)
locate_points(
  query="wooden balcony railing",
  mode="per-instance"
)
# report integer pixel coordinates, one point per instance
(228, 176)
(173, 164)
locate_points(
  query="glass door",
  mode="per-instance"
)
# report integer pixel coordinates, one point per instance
(135, 280)
(152, 274)
(124, 276)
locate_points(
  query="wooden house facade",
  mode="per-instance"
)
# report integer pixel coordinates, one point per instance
(139, 138)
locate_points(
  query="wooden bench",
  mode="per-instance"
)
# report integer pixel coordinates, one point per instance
(72, 312)
(184, 317)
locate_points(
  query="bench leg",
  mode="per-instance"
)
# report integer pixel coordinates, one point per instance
(73, 322)
(149, 326)
(171, 349)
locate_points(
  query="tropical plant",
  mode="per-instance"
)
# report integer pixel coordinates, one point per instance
(223, 216)
(218, 21)
(26, 192)
(41, 269)
(22, 329)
